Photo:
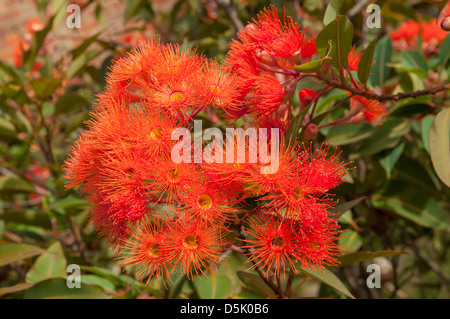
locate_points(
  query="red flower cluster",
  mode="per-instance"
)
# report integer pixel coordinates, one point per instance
(163, 217)
(405, 37)
(265, 49)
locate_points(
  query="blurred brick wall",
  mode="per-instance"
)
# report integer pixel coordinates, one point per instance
(14, 15)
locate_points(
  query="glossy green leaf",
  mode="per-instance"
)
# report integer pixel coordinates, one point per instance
(439, 141)
(27, 217)
(332, 11)
(413, 61)
(444, 51)
(10, 253)
(411, 203)
(70, 102)
(255, 283)
(385, 136)
(343, 207)
(94, 280)
(56, 288)
(382, 56)
(16, 288)
(292, 132)
(53, 264)
(83, 46)
(311, 67)
(80, 62)
(133, 7)
(360, 256)
(45, 87)
(425, 126)
(365, 64)
(70, 202)
(348, 134)
(389, 158)
(338, 34)
(7, 129)
(350, 240)
(213, 287)
(14, 184)
(327, 277)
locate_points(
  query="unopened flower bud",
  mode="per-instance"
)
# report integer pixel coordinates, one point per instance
(445, 24)
(358, 118)
(310, 132)
(264, 57)
(306, 97)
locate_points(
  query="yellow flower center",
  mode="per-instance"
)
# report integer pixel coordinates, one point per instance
(173, 175)
(214, 89)
(298, 193)
(154, 249)
(157, 133)
(177, 97)
(204, 201)
(190, 241)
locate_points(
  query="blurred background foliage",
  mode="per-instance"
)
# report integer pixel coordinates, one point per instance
(393, 202)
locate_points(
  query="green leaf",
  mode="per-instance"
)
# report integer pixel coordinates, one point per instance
(10, 253)
(70, 102)
(444, 51)
(360, 256)
(348, 134)
(385, 136)
(413, 61)
(343, 207)
(56, 288)
(311, 67)
(94, 280)
(365, 64)
(350, 240)
(76, 121)
(425, 127)
(255, 283)
(27, 217)
(213, 287)
(294, 128)
(16, 288)
(83, 46)
(382, 55)
(229, 269)
(80, 62)
(50, 265)
(389, 158)
(14, 184)
(332, 11)
(439, 142)
(133, 7)
(411, 203)
(45, 87)
(327, 277)
(11, 70)
(338, 33)
(7, 129)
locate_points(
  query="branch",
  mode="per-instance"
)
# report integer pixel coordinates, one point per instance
(227, 5)
(382, 97)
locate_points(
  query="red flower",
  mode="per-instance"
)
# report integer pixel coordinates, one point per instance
(373, 110)
(353, 59)
(306, 97)
(274, 245)
(195, 246)
(145, 254)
